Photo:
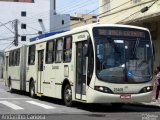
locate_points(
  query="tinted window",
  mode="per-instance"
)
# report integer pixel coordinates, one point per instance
(59, 50)
(67, 49)
(50, 52)
(31, 55)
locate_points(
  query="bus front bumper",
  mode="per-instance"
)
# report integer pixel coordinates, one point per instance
(94, 96)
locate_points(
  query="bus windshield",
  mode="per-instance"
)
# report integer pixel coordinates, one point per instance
(123, 55)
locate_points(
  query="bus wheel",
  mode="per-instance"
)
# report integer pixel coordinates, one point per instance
(10, 86)
(67, 95)
(32, 89)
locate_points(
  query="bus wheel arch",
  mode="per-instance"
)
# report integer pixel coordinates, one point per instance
(32, 88)
(10, 84)
(67, 93)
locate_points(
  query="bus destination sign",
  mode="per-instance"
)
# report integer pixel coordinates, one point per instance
(121, 33)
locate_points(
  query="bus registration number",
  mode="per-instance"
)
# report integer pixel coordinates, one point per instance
(125, 96)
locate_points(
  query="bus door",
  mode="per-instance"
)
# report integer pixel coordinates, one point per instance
(81, 63)
(40, 71)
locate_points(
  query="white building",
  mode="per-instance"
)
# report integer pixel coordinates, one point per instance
(34, 16)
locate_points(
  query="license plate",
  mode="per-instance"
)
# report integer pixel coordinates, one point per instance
(125, 96)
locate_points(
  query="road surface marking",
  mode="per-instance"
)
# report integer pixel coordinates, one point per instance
(15, 98)
(41, 105)
(11, 105)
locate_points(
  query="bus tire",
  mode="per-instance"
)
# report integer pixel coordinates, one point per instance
(10, 86)
(32, 89)
(67, 95)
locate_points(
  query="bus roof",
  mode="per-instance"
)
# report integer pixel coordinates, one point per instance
(84, 28)
(78, 29)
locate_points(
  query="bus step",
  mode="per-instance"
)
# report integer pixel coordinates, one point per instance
(39, 94)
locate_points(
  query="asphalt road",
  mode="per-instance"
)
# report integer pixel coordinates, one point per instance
(17, 106)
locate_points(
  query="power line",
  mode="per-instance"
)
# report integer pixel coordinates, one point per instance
(68, 5)
(82, 16)
(2, 39)
(9, 46)
(7, 27)
(30, 26)
(29, 34)
(109, 11)
(76, 7)
(68, 22)
(3, 24)
(144, 9)
(113, 9)
(97, 15)
(4, 43)
(42, 14)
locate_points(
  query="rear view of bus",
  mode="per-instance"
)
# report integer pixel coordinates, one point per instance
(123, 65)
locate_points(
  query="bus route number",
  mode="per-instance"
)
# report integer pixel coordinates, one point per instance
(118, 89)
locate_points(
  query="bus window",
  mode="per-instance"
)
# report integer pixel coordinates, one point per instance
(59, 50)
(18, 56)
(67, 49)
(10, 58)
(14, 57)
(31, 55)
(50, 52)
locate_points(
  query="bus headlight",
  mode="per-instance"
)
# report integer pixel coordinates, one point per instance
(103, 89)
(146, 89)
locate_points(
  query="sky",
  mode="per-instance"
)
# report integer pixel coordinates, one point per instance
(62, 7)
(76, 6)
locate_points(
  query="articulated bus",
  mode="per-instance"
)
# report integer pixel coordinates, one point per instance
(98, 63)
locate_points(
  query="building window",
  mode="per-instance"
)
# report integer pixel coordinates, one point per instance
(31, 55)
(50, 52)
(23, 13)
(40, 20)
(67, 52)
(23, 26)
(23, 38)
(95, 17)
(94, 21)
(62, 22)
(136, 1)
(59, 50)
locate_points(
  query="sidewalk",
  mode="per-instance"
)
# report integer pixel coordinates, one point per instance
(153, 103)
(1, 80)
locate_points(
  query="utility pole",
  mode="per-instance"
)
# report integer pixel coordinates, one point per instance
(16, 32)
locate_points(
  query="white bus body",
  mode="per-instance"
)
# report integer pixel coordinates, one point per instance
(76, 65)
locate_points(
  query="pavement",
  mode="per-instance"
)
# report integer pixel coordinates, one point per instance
(152, 103)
